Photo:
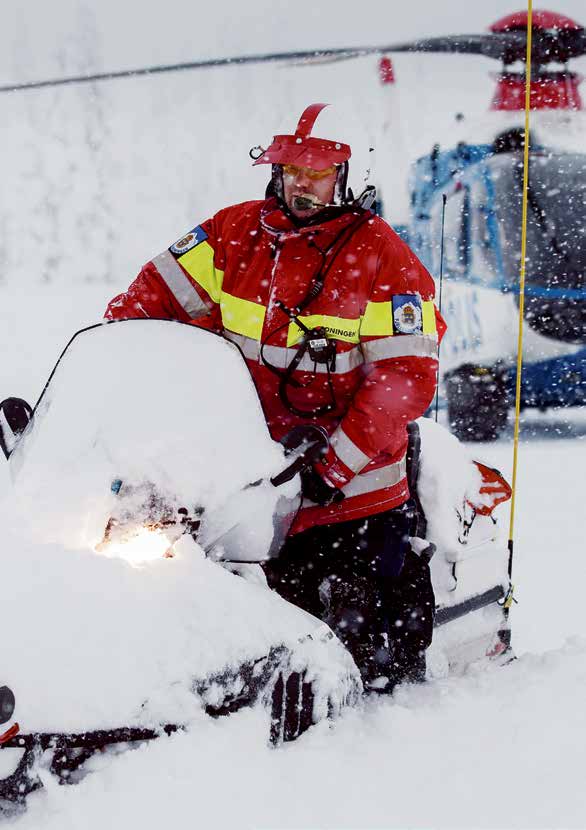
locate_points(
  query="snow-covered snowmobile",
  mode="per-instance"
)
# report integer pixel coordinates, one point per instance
(137, 504)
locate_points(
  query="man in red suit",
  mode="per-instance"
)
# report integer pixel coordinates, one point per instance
(335, 317)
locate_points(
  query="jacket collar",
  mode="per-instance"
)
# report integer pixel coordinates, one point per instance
(277, 222)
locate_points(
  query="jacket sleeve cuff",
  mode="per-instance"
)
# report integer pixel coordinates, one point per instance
(333, 470)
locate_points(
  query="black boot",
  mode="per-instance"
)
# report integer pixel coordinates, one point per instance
(411, 604)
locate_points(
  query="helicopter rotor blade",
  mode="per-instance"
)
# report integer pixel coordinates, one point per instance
(508, 47)
(558, 45)
(295, 58)
(497, 46)
(473, 44)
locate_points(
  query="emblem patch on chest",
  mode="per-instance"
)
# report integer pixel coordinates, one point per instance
(189, 241)
(407, 314)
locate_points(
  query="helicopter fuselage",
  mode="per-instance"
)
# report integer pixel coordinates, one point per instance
(483, 185)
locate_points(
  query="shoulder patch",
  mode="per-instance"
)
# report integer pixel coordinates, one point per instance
(189, 241)
(407, 314)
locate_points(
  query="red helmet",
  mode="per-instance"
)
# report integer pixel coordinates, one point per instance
(303, 149)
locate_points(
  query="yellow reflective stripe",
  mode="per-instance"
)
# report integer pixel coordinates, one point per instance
(429, 324)
(338, 328)
(377, 320)
(242, 316)
(199, 264)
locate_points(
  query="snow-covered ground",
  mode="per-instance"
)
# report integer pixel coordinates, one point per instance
(498, 750)
(89, 192)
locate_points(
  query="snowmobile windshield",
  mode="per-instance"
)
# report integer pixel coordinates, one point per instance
(555, 301)
(118, 446)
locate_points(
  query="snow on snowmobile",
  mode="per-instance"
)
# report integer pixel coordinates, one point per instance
(137, 519)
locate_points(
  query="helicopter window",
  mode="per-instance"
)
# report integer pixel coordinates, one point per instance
(556, 250)
(484, 238)
(464, 238)
(457, 233)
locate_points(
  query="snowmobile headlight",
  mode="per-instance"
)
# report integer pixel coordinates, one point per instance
(145, 545)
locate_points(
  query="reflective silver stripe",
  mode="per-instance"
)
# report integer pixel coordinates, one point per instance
(281, 357)
(376, 479)
(180, 285)
(400, 345)
(249, 348)
(347, 451)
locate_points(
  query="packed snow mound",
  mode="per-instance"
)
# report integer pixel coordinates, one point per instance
(142, 401)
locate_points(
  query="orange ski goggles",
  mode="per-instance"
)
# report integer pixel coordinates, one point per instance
(294, 170)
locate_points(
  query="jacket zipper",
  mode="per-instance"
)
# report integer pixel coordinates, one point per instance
(275, 254)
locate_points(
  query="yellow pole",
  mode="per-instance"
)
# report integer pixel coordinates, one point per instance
(521, 283)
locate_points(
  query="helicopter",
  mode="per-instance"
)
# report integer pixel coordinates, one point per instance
(482, 186)
(475, 191)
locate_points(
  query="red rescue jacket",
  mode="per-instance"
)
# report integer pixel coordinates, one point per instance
(376, 304)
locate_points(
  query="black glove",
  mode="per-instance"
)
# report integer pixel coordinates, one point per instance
(314, 488)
